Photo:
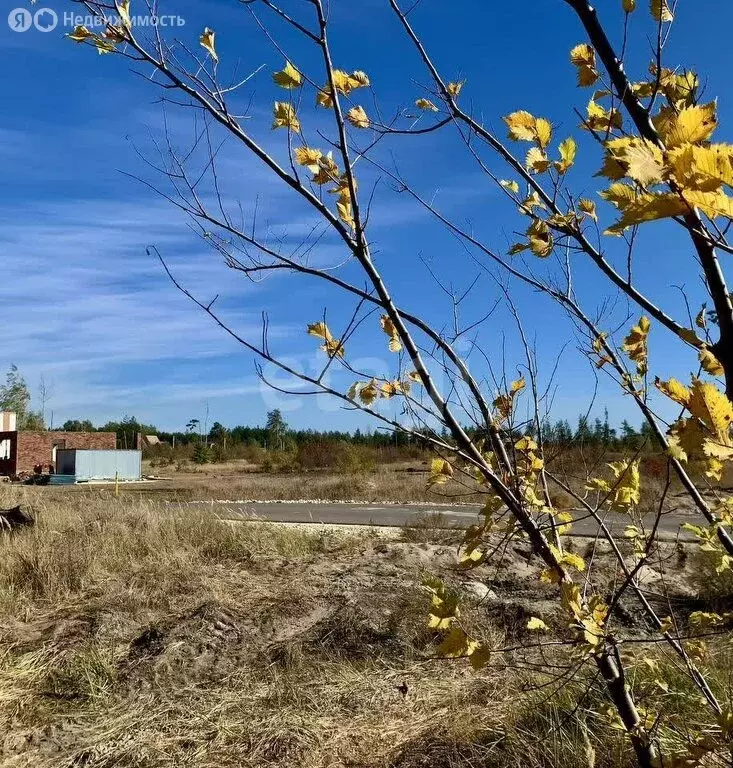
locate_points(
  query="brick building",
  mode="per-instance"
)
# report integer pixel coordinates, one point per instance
(22, 451)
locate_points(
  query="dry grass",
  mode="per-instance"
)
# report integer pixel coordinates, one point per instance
(280, 477)
(132, 636)
(400, 482)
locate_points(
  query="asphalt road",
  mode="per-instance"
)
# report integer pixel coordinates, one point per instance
(396, 515)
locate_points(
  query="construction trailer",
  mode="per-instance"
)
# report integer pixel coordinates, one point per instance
(84, 465)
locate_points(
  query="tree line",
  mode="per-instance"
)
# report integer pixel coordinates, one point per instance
(276, 434)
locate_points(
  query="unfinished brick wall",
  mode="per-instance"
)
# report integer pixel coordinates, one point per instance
(37, 447)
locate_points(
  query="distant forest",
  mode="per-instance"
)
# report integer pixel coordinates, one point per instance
(276, 434)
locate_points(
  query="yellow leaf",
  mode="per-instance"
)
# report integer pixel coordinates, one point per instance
(328, 171)
(345, 83)
(549, 576)
(541, 242)
(285, 117)
(512, 186)
(635, 344)
(517, 386)
(426, 105)
(308, 157)
(525, 127)
(583, 57)
(80, 34)
(691, 126)
(537, 161)
(369, 393)
(103, 46)
(320, 330)
(505, 403)
(361, 78)
(712, 408)
(626, 490)
(598, 484)
(457, 644)
(532, 202)
(710, 363)
(644, 162)
(332, 347)
(649, 207)
(636, 158)
(713, 204)
(602, 120)
(644, 89)
(415, 377)
(571, 599)
(391, 388)
(705, 619)
(629, 6)
(526, 443)
(674, 390)
(342, 81)
(688, 335)
(680, 90)
(612, 169)
(543, 131)
(713, 466)
(661, 11)
(440, 472)
(395, 345)
(366, 391)
(442, 614)
(589, 208)
(472, 560)
(621, 195)
(705, 169)
(288, 77)
(207, 41)
(324, 98)
(573, 561)
(455, 88)
(358, 117)
(537, 624)
(701, 319)
(568, 151)
(345, 212)
(599, 342)
(342, 189)
(522, 126)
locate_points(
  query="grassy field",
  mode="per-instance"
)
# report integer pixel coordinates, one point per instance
(241, 480)
(352, 477)
(133, 637)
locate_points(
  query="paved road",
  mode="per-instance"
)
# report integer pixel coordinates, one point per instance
(392, 515)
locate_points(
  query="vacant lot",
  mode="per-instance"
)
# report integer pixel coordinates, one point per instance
(275, 477)
(131, 637)
(241, 480)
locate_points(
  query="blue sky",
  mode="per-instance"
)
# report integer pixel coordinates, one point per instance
(86, 308)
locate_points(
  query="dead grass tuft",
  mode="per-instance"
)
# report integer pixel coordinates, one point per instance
(133, 635)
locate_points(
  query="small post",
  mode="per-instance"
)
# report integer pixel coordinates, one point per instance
(117, 485)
